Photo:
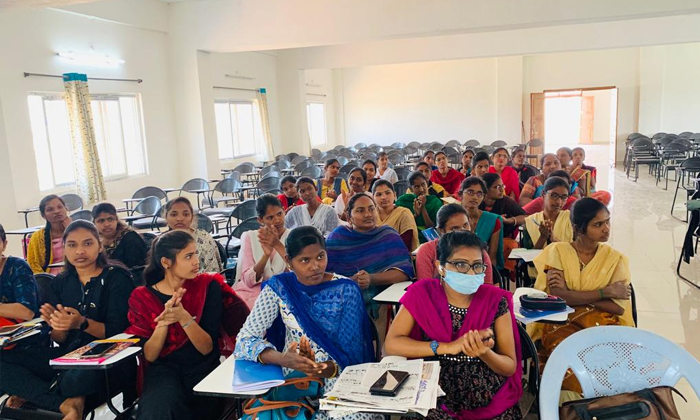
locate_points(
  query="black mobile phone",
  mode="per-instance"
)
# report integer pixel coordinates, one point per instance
(98, 350)
(389, 383)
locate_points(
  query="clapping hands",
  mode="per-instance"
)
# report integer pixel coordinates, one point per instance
(174, 311)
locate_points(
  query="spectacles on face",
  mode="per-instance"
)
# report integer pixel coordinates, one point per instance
(472, 193)
(555, 196)
(464, 267)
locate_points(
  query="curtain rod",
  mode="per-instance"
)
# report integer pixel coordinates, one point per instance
(316, 94)
(90, 78)
(235, 88)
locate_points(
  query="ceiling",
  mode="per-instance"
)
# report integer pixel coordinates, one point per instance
(7, 4)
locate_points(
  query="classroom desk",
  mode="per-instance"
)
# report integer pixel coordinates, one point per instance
(393, 293)
(24, 232)
(129, 203)
(26, 214)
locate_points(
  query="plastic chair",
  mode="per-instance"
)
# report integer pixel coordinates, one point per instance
(400, 187)
(499, 143)
(248, 224)
(299, 167)
(245, 210)
(82, 215)
(612, 360)
(227, 186)
(297, 160)
(312, 172)
(472, 143)
(272, 168)
(144, 215)
(150, 192)
(402, 173)
(204, 223)
(347, 168)
(73, 202)
(688, 167)
(43, 282)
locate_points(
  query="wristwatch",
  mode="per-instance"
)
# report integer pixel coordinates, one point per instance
(84, 325)
(434, 346)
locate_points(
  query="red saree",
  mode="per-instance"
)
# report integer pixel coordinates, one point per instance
(451, 182)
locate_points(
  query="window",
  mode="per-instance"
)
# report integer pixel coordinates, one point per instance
(316, 119)
(118, 133)
(238, 128)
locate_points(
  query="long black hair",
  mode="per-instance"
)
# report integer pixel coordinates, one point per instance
(167, 245)
(47, 229)
(101, 261)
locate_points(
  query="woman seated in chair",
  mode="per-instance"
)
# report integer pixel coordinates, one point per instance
(533, 187)
(120, 242)
(357, 179)
(18, 288)
(429, 158)
(384, 171)
(399, 218)
(467, 157)
(331, 185)
(290, 196)
(373, 256)
(469, 327)
(589, 275)
(553, 223)
(486, 225)
(180, 216)
(448, 177)
(179, 315)
(312, 212)
(433, 189)
(518, 163)
(585, 176)
(450, 218)
(262, 251)
(323, 328)
(537, 205)
(509, 177)
(481, 164)
(46, 244)
(370, 167)
(421, 203)
(89, 301)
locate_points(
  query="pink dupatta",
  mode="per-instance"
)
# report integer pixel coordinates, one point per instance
(427, 302)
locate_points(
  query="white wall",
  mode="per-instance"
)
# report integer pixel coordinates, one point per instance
(681, 89)
(30, 42)
(601, 115)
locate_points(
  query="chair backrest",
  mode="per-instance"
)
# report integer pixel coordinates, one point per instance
(150, 192)
(633, 136)
(271, 174)
(454, 158)
(398, 145)
(347, 168)
(397, 158)
(454, 144)
(692, 163)
(245, 210)
(413, 144)
(359, 146)
(73, 202)
(612, 360)
(43, 282)
(299, 167)
(272, 168)
(204, 223)
(246, 225)
(281, 157)
(149, 206)
(685, 134)
(228, 186)
(234, 175)
(195, 184)
(403, 174)
(148, 238)
(268, 183)
(535, 143)
(347, 154)
(298, 160)
(315, 152)
(82, 215)
(499, 143)
(284, 164)
(245, 168)
(312, 172)
(401, 187)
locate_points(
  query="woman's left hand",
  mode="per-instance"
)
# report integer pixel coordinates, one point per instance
(474, 346)
(65, 319)
(332, 194)
(555, 279)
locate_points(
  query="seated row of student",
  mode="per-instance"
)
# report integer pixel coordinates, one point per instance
(370, 167)
(357, 180)
(469, 327)
(383, 169)
(510, 179)
(433, 189)
(331, 185)
(590, 276)
(45, 246)
(397, 217)
(447, 177)
(89, 300)
(312, 212)
(372, 255)
(486, 225)
(179, 215)
(18, 288)
(450, 218)
(467, 157)
(180, 314)
(262, 253)
(120, 242)
(324, 326)
(423, 205)
(553, 224)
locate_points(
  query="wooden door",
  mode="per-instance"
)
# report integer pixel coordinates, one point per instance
(587, 106)
(537, 121)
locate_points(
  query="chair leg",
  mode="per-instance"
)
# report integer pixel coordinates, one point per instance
(675, 194)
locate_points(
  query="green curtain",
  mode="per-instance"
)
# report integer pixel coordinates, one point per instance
(86, 160)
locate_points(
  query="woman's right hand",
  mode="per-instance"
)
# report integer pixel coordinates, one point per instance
(419, 204)
(618, 290)
(363, 279)
(268, 239)
(294, 359)
(46, 311)
(546, 228)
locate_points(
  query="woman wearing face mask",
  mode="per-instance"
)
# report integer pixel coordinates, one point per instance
(262, 251)
(470, 328)
(324, 327)
(467, 157)
(450, 218)
(481, 164)
(399, 218)
(179, 315)
(373, 256)
(370, 167)
(549, 163)
(486, 225)
(423, 205)
(46, 246)
(18, 288)
(180, 216)
(331, 186)
(444, 175)
(290, 196)
(552, 224)
(89, 301)
(357, 179)
(508, 175)
(589, 275)
(312, 212)
(120, 242)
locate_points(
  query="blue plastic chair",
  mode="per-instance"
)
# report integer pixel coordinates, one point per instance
(613, 360)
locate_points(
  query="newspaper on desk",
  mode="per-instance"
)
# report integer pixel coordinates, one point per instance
(350, 394)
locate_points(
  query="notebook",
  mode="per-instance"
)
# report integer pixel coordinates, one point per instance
(253, 376)
(75, 357)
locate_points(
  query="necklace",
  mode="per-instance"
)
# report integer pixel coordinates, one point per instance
(582, 264)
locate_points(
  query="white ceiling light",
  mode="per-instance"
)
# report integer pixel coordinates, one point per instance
(238, 76)
(90, 59)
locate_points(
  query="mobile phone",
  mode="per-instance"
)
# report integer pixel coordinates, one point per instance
(98, 350)
(10, 329)
(389, 383)
(431, 234)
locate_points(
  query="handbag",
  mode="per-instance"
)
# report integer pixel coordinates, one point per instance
(647, 404)
(285, 402)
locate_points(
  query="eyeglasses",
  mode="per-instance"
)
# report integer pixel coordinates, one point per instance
(464, 267)
(555, 196)
(479, 194)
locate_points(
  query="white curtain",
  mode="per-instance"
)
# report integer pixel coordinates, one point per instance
(268, 151)
(86, 160)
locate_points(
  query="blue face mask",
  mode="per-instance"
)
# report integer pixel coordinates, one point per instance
(466, 284)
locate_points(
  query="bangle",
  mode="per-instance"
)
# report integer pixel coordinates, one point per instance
(602, 296)
(187, 324)
(335, 371)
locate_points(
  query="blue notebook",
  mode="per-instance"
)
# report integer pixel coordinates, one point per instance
(254, 376)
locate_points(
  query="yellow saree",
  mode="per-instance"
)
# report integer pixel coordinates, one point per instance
(563, 231)
(401, 219)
